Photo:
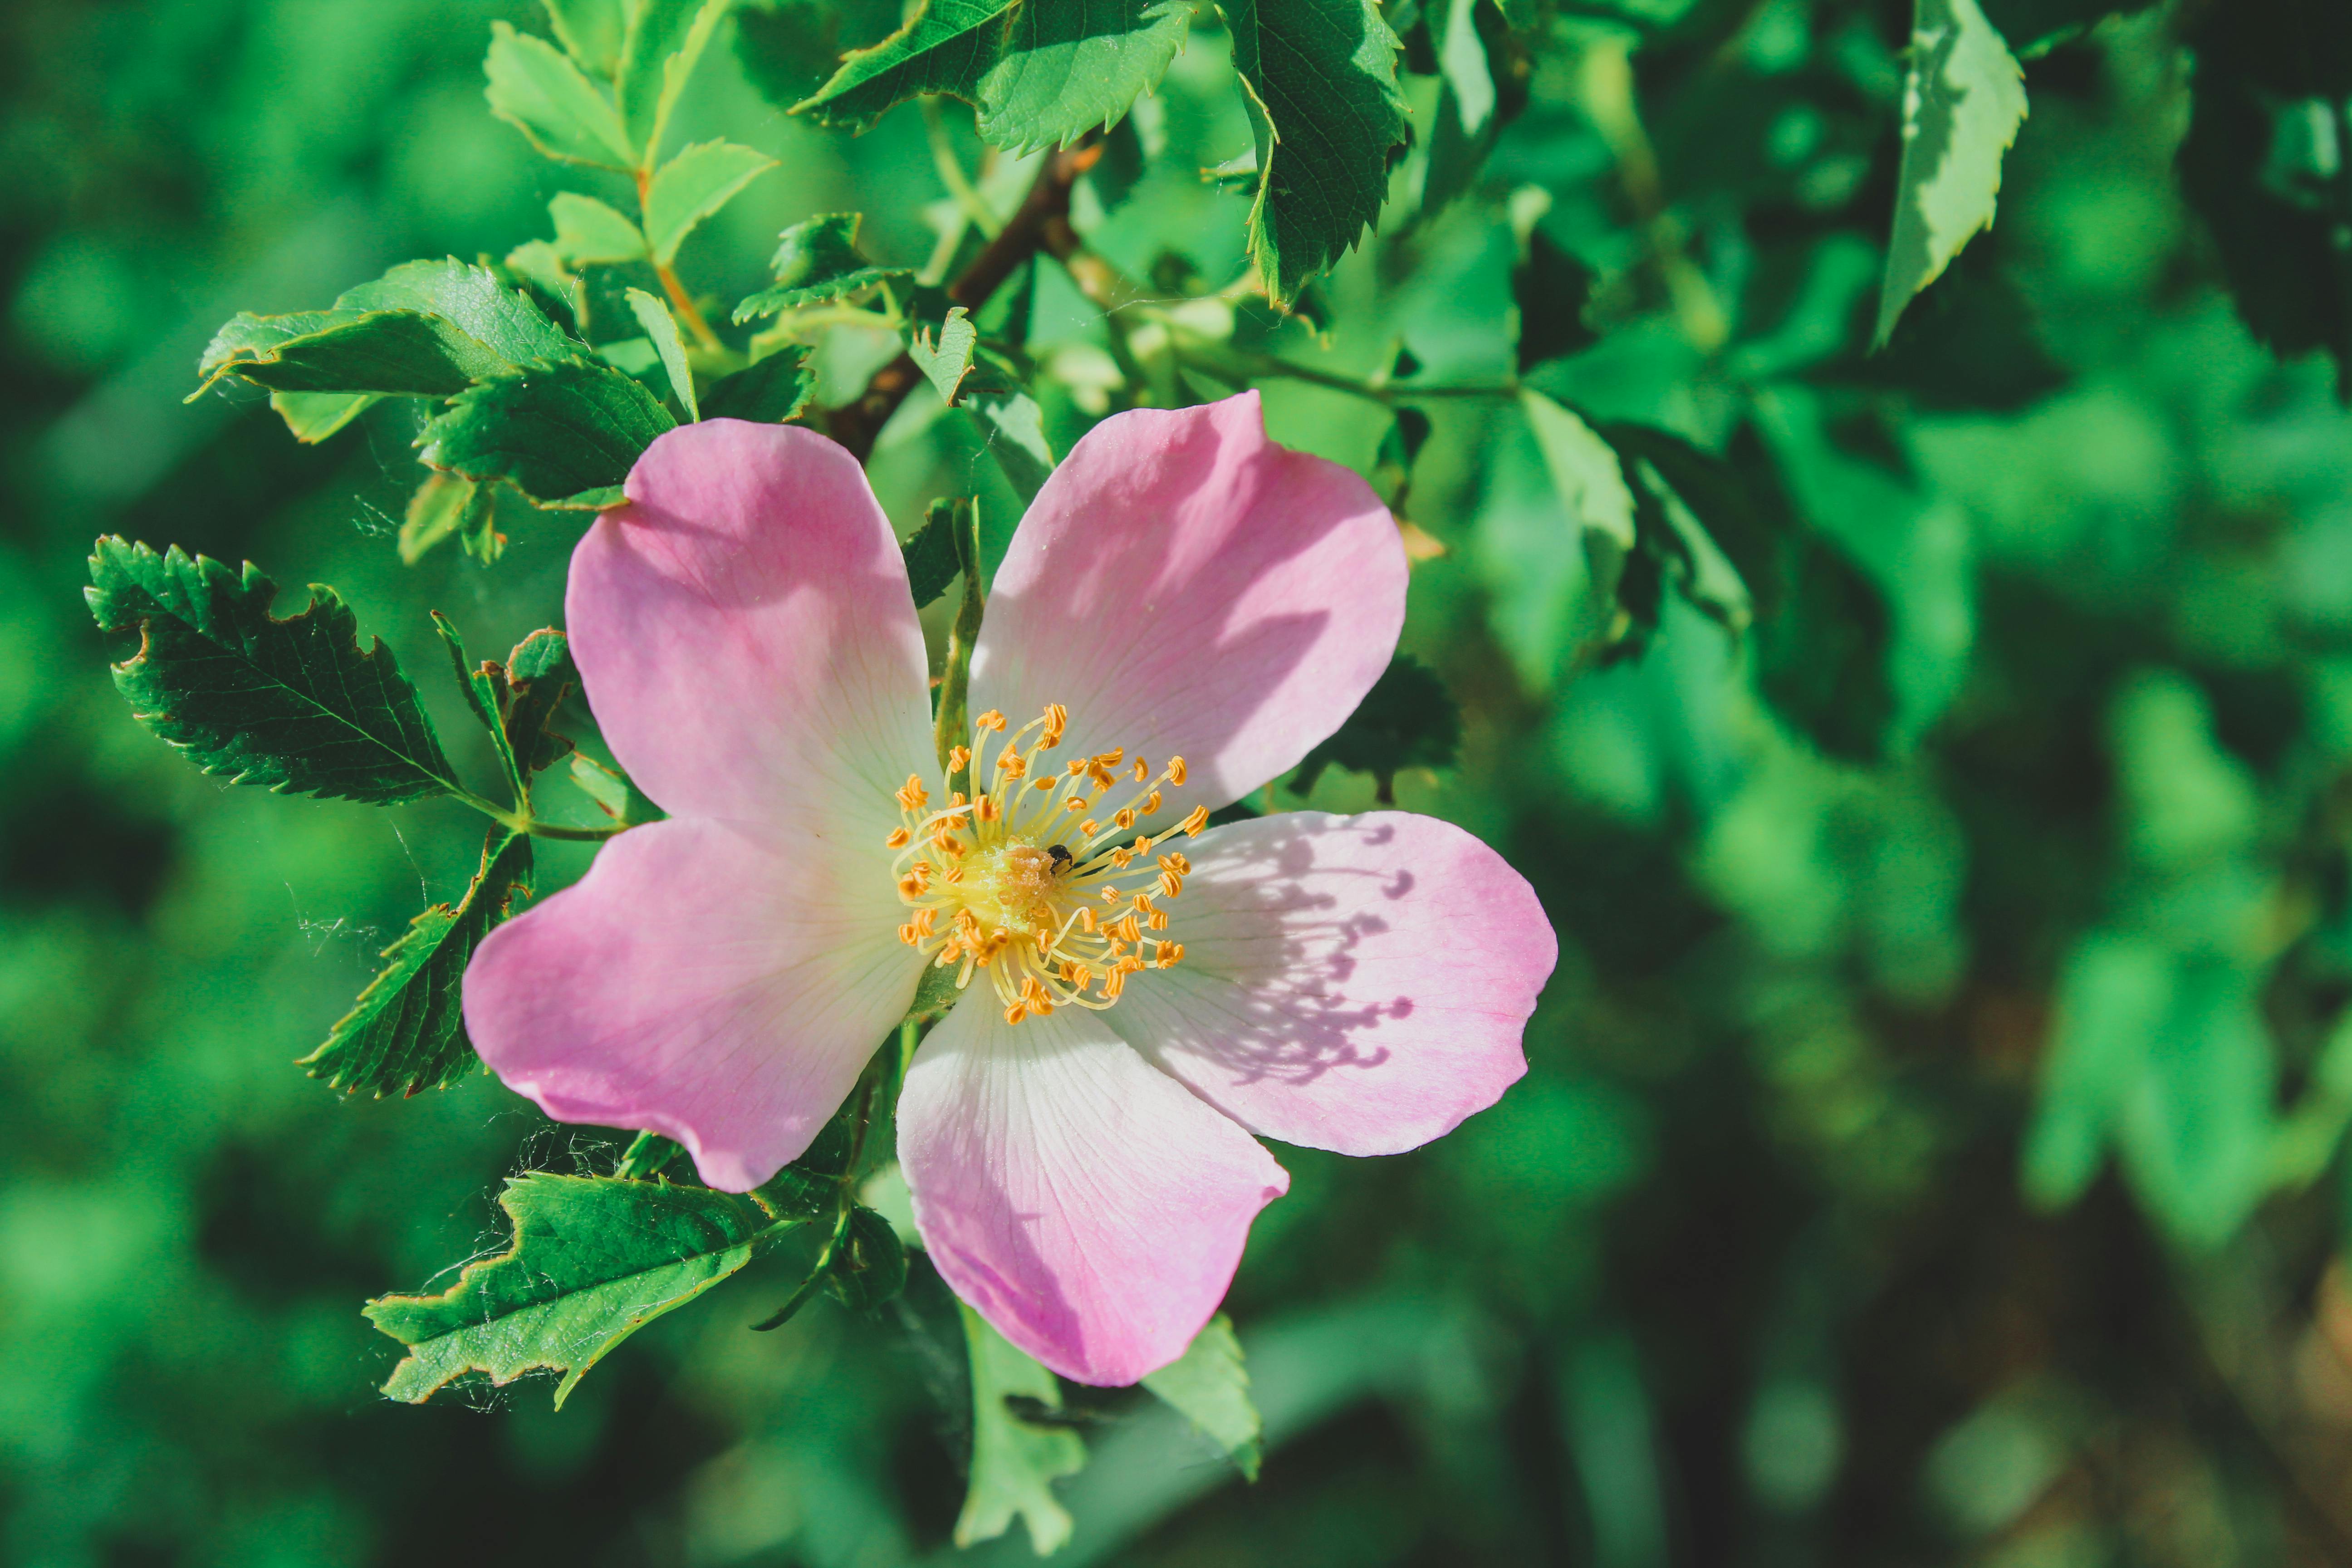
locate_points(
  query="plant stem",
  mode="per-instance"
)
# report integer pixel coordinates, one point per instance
(1240, 365)
(680, 300)
(522, 822)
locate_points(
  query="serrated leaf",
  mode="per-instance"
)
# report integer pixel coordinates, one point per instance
(1209, 1385)
(312, 416)
(447, 506)
(554, 431)
(931, 559)
(1962, 103)
(495, 314)
(292, 704)
(593, 1260)
(589, 234)
(1014, 1462)
(406, 1033)
(664, 43)
(816, 260)
(535, 88)
(1408, 720)
(945, 357)
(590, 32)
(538, 675)
(661, 330)
(1319, 79)
(948, 47)
(767, 393)
(1067, 67)
(691, 186)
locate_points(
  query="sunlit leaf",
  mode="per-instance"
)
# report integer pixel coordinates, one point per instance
(1211, 1387)
(691, 186)
(554, 432)
(535, 88)
(1014, 1462)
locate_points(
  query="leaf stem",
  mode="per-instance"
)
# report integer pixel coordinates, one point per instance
(522, 822)
(679, 300)
(1239, 365)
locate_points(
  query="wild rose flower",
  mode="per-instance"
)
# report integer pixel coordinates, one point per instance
(1185, 611)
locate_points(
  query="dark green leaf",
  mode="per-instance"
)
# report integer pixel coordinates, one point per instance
(1550, 288)
(931, 560)
(408, 1032)
(554, 431)
(593, 1260)
(768, 393)
(1068, 67)
(535, 88)
(691, 186)
(1211, 1385)
(2035, 26)
(1013, 1463)
(789, 47)
(948, 48)
(1319, 78)
(1963, 103)
(1013, 426)
(817, 261)
(539, 674)
(869, 1265)
(446, 506)
(1406, 720)
(293, 704)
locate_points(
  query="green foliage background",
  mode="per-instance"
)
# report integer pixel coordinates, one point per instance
(1930, 1153)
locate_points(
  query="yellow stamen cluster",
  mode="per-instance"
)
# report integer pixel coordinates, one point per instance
(1001, 883)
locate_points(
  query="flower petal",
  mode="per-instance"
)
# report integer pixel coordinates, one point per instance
(1083, 1202)
(1358, 983)
(1184, 586)
(745, 633)
(711, 984)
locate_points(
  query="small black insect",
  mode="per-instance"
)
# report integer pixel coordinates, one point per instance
(1059, 855)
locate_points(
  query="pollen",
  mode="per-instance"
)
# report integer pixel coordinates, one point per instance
(1006, 885)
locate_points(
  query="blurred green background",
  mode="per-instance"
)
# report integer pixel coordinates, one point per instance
(1801, 1242)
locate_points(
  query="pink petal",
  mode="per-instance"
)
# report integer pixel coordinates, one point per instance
(719, 987)
(745, 634)
(1349, 982)
(1185, 587)
(1085, 1204)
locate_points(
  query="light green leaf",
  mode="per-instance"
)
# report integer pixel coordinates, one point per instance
(1211, 1387)
(817, 261)
(500, 317)
(1319, 79)
(767, 393)
(662, 45)
(590, 32)
(593, 1260)
(446, 506)
(612, 792)
(535, 88)
(948, 46)
(407, 1033)
(1554, 533)
(553, 431)
(691, 186)
(293, 704)
(661, 330)
(1068, 67)
(1462, 60)
(1962, 104)
(1013, 1463)
(1014, 428)
(946, 359)
(1584, 471)
(312, 416)
(589, 234)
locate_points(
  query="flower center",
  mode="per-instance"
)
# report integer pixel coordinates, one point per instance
(1023, 879)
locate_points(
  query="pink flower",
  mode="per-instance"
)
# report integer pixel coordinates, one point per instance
(1186, 610)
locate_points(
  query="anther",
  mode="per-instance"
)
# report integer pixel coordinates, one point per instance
(1167, 954)
(912, 796)
(900, 839)
(992, 720)
(1176, 772)
(1192, 825)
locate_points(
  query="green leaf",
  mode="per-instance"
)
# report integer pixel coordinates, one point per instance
(662, 45)
(590, 32)
(1014, 1462)
(945, 359)
(554, 431)
(493, 314)
(948, 47)
(312, 416)
(691, 186)
(1319, 78)
(1407, 720)
(446, 506)
(535, 88)
(1209, 1384)
(293, 704)
(589, 234)
(408, 1032)
(767, 393)
(1554, 538)
(614, 794)
(1013, 426)
(869, 1265)
(593, 1260)
(1068, 67)
(661, 330)
(484, 686)
(932, 560)
(1962, 104)
(816, 261)
(1550, 288)
(789, 47)
(2036, 27)
(538, 675)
